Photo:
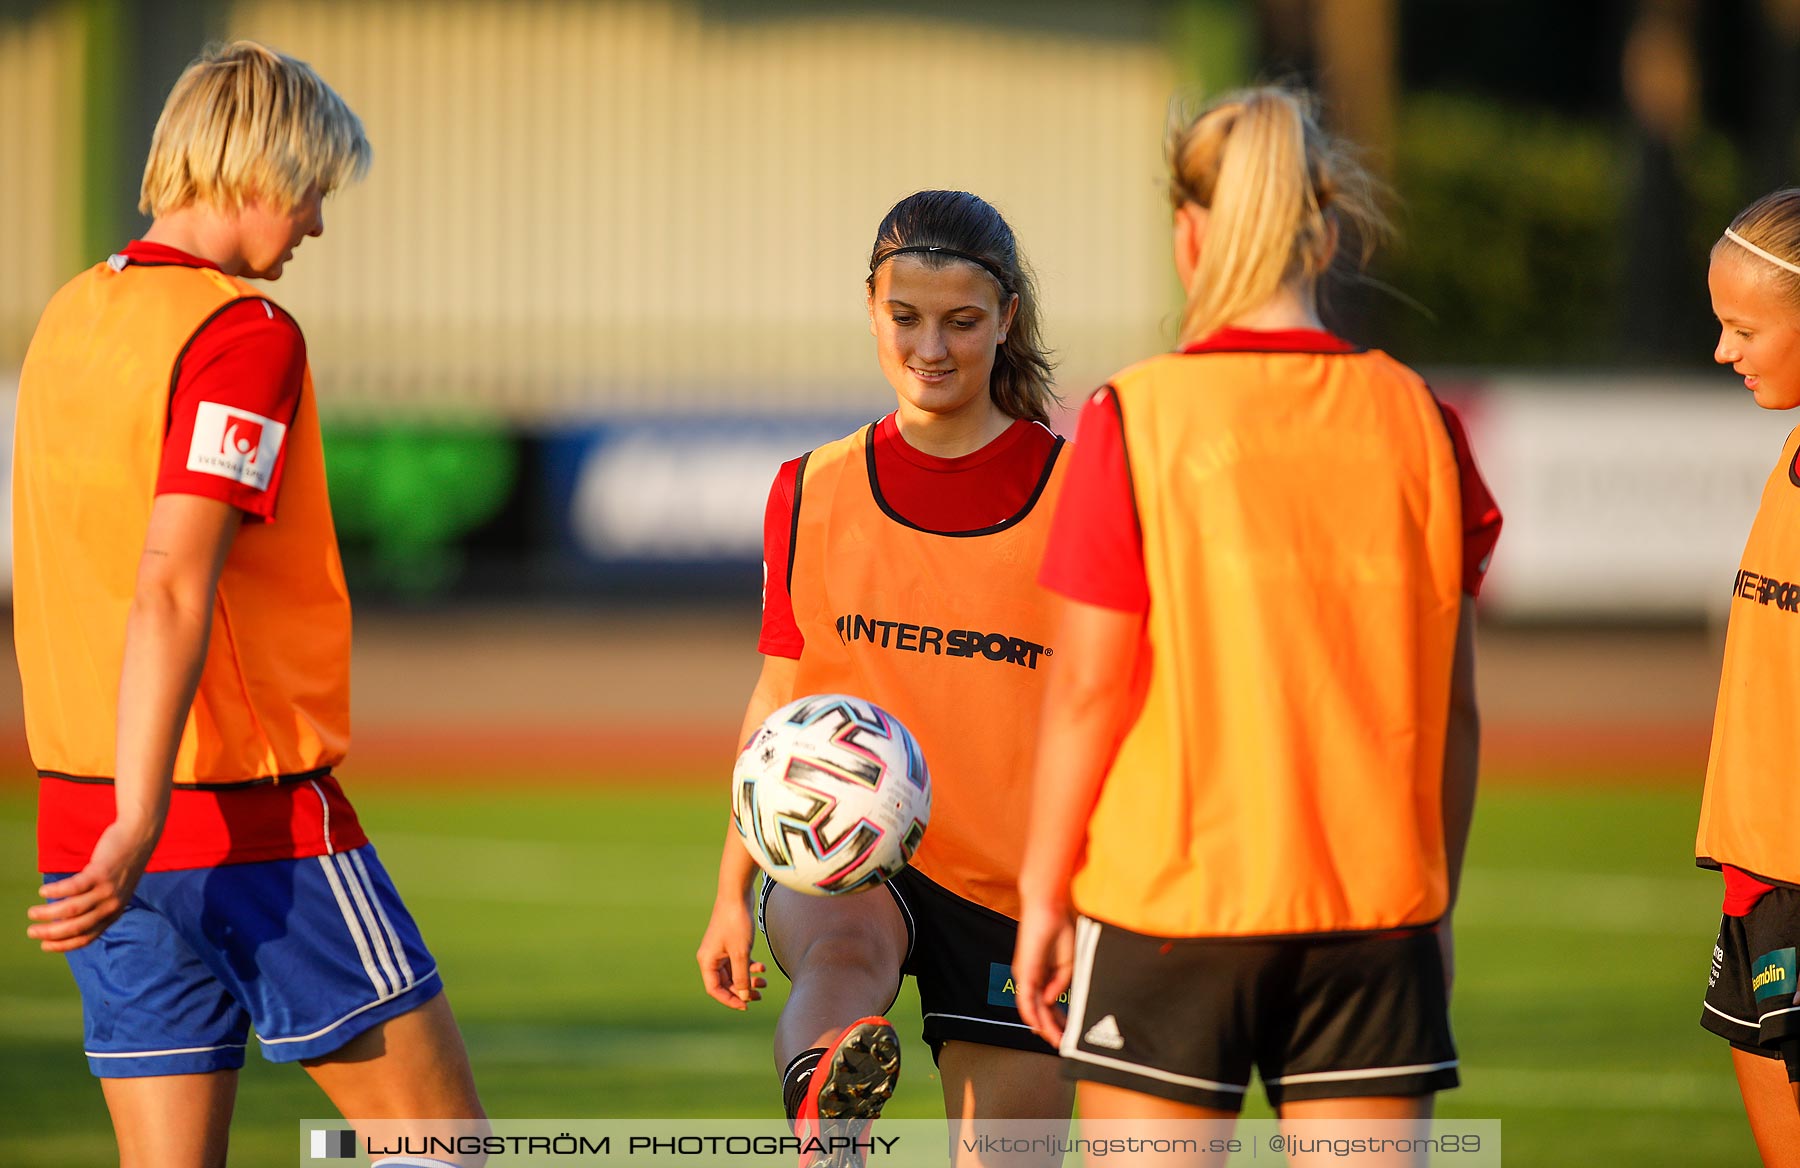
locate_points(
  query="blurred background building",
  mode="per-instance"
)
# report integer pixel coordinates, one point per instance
(606, 272)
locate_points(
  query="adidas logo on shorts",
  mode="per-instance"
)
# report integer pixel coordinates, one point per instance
(1105, 1033)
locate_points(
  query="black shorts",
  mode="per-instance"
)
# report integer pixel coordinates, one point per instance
(1320, 1017)
(959, 953)
(1752, 996)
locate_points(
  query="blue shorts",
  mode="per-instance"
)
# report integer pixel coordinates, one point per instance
(310, 952)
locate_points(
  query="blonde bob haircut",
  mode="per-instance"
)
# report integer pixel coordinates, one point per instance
(244, 122)
(1279, 195)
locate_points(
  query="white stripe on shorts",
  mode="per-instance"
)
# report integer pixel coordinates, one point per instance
(972, 1018)
(1154, 1072)
(1366, 1073)
(1087, 939)
(387, 926)
(353, 924)
(155, 1053)
(1729, 1018)
(378, 941)
(329, 1027)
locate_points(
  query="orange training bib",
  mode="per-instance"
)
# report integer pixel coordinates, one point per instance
(950, 633)
(1302, 543)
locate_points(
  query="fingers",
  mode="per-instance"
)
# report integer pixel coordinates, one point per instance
(72, 906)
(715, 977)
(1041, 969)
(1034, 1012)
(1051, 1029)
(69, 945)
(1026, 1000)
(72, 885)
(63, 935)
(745, 985)
(1050, 1014)
(1036, 1001)
(1037, 1007)
(724, 984)
(1045, 1019)
(83, 904)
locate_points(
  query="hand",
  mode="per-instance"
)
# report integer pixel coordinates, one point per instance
(1043, 962)
(92, 899)
(726, 971)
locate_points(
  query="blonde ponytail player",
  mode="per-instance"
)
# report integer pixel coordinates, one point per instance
(1257, 760)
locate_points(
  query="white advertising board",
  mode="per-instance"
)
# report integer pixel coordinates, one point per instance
(1625, 496)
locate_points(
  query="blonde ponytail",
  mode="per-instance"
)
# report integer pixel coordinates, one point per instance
(1277, 192)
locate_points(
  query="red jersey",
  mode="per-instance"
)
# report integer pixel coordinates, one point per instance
(244, 367)
(962, 494)
(1096, 552)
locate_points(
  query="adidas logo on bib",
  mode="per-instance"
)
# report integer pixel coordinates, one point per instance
(1105, 1033)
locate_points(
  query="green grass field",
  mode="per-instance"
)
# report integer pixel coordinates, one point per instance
(564, 921)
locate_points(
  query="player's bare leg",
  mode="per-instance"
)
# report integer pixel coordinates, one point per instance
(1113, 1107)
(413, 1066)
(1773, 1106)
(991, 1082)
(1396, 1108)
(172, 1121)
(843, 956)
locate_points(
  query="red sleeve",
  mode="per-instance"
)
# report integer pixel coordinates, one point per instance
(780, 632)
(1096, 549)
(235, 395)
(1480, 514)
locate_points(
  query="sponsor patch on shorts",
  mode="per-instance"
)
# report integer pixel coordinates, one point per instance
(1772, 974)
(1001, 989)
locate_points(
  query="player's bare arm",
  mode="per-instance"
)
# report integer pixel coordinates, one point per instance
(166, 637)
(1090, 684)
(1462, 759)
(726, 971)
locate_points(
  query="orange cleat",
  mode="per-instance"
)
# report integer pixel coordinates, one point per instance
(854, 1080)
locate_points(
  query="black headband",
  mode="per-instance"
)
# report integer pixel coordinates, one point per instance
(934, 249)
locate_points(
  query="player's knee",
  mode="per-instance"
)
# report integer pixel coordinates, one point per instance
(849, 953)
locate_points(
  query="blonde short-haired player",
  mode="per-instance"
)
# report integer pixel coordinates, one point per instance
(183, 635)
(1257, 759)
(1752, 804)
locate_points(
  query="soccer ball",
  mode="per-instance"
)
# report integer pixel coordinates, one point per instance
(831, 795)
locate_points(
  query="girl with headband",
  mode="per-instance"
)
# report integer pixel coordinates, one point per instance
(1256, 767)
(1752, 803)
(935, 516)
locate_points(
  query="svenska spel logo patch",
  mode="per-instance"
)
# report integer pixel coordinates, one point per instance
(235, 444)
(1772, 974)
